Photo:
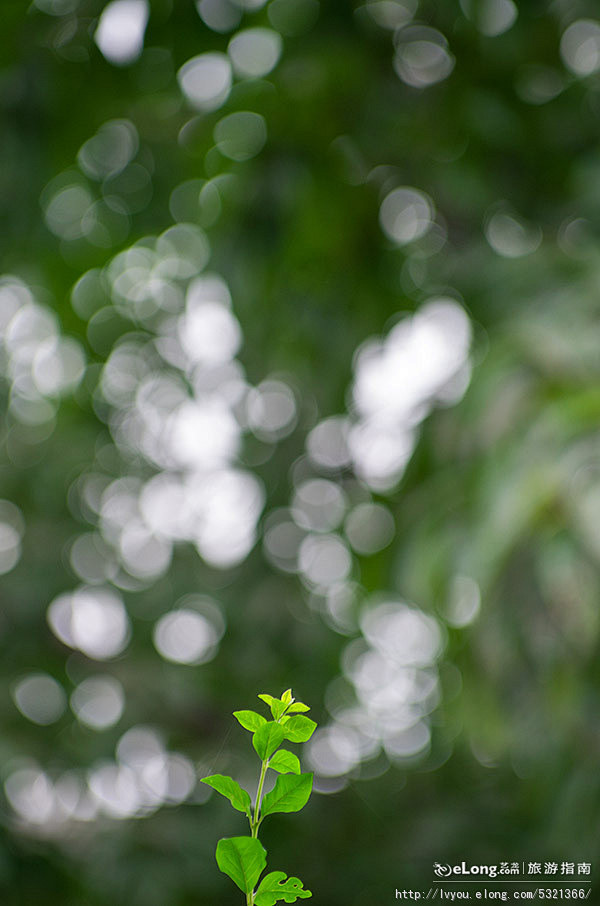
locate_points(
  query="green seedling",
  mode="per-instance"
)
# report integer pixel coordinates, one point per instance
(244, 859)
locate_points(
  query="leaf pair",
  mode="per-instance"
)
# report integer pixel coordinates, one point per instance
(290, 793)
(268, 735)
(243, 859)
(284, 705)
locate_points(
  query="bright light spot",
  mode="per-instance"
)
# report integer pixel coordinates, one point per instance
(406, 214)
(118, 507)
(30, 326)
(282, 540)
(408, 743)
(143, 554)
(138, 746)
(334, 750)
(143, 274)
(209, 333)
(369, 528)
(392, 14)
(492, 17)
(31, 410)
(73, 797)
(206, 80)
(37, 361)
(145, 776)
(497, 17)
(165, 507)
(110, 150)
(397, 379)
(183, 251)
(115, 789)
(31, 795)
(575, 237)
(228, 504)
(93, 620)
(241, 136)
(464, 603)
(392, 670)
(186, 419)
(402, 633)
(380, 452)
(66, 209)
(341, 606)
(423, 360)
(271, 410)
(318, 505)
(12, 527)
(120, 32)
(141, 277)
(324, 560)
(422, 57)
(58, 366)
(98, 702)
(327, 443)
(580, 47)
(254, 52)
(92, 560)
(219, 15)
(395, 684)
(511, 237)
(40, 698)
(186, 637)
(180, 778)
(13, 295)
(203, 434)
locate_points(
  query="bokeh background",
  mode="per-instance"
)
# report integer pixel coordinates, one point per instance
(300, 371)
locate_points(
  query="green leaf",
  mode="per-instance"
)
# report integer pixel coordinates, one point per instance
(250, 720)
(242, 859)
(274, 887)
(267, 738)
(229, 788)
(297, 706)
(275, 704)
(267, 698)
(285, 762)
(287, 698)
(299, 729)
(290, 793)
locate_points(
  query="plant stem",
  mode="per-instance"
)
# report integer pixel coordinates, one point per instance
(255, 823)
(259, 794)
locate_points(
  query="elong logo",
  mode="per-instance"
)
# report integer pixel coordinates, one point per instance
(443, 870)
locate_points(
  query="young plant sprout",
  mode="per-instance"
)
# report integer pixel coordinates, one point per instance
(244, 859)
